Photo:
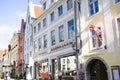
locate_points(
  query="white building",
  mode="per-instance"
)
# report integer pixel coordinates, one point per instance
(53, 35)
(33, 12)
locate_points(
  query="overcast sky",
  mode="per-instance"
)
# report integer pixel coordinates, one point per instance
(11, 13)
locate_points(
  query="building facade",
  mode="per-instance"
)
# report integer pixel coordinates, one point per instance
(20, 58)
(13, 51)
(100, 35)
(33, 12)
(53, 37)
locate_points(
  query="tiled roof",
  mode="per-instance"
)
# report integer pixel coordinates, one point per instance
(37, 11)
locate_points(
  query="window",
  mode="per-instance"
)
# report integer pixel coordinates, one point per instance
(63, 60)
(35, 29)
(52, 16)
(96, 38)
(117, 1)
(60, 10)
(45, 41)
(39, 26)
(44, 6)
(39, 44)
(71, 30)
(118, 30)
(93, 7)
(44, 22)
(35, 46)
(69, 4)
(52, 1)
(61, 34)
(53, 37)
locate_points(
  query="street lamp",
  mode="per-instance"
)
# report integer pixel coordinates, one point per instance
(77, 24)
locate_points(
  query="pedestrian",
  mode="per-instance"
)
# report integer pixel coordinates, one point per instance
(24, 75)
(6, 75)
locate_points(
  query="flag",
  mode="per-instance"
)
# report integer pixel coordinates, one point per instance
(95, 30)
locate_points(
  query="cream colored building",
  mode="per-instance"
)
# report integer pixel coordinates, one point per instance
(14, 52)
(100, 53)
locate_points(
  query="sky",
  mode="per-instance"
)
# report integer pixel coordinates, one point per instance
(11, 13)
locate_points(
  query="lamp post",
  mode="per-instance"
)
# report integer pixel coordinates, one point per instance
(75, 46)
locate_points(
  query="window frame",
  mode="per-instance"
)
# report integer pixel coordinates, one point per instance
(45, 41)
(61, 33)
(44, 22)
(44, 5)
(117, 32)
(60, 10)
(114, 1)
(52, 16)
(39, 26)
(53, 37)
(69, 6)
(92, 49)
(94, 10)
(70, 36)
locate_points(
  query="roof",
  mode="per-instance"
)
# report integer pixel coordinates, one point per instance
(37, 11)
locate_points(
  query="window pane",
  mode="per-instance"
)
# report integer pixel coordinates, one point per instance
(53, 37)
(61, 34)
(71, 29)
(39, 26)
(60, 10)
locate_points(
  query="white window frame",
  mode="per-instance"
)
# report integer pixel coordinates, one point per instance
(88, 9)
(115, 2)
(53, 36)
(117, 32)
(92, 49)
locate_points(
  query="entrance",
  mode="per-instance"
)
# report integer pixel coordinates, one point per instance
(96, 70)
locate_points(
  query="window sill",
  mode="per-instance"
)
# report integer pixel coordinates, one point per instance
(97, 49)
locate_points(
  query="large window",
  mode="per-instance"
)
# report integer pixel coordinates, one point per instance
(60, 10)
(39, 26)
(45, 41)
(69, 4)
(52, 16)
(39, 44)
(93, 6)
(61, 33)
(53, 37)
(44, 22)
(44, 6)
(96, 38)
(118, 30)
(71, 30)
(67, 65)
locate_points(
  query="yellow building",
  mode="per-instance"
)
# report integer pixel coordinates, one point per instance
(100, 35)
(14, 52)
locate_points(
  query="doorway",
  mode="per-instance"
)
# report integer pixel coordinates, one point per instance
(96, 70)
